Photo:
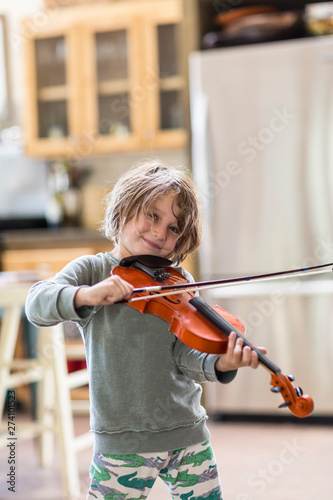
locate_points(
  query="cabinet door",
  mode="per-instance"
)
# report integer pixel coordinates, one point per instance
(165, 121)
(105, 79)
(112, 76)
(53, 92)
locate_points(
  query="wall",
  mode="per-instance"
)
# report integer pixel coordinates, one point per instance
(15, 11)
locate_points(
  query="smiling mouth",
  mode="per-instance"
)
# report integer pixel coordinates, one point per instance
(152, 245)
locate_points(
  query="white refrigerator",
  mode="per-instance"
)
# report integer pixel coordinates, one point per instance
(262, 158)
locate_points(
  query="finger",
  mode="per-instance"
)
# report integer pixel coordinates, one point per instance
(232, 341)
(128, 293)
(122, 288)
(238, 351)
(262, 349)
(254, 360)
(125, 287)
(246, 356)
(239, 344)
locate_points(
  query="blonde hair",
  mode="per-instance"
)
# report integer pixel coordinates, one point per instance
(138, 189)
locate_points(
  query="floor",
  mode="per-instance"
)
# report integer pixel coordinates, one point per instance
(256, 462)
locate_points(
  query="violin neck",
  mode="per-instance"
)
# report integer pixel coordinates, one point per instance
(225, 327)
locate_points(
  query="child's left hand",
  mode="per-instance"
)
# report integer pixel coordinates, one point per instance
(237, 356)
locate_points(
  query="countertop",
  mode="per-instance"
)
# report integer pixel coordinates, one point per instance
(52, 238)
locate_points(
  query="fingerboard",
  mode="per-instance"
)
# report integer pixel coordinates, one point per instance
(225, 327)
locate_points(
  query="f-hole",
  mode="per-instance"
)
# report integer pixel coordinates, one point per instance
(172, 299)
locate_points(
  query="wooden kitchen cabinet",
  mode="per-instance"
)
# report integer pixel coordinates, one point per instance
(106, 78)
(48, 250)
(45, 260)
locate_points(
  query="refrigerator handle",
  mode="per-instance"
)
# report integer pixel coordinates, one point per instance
(201, 152)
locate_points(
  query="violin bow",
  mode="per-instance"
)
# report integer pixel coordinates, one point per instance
(205, 285)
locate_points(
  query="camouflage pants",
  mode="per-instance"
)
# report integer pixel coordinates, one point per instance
(189, 473)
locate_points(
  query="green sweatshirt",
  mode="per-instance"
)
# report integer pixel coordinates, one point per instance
(142, 379)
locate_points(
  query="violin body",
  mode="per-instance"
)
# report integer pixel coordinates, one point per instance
(186, 323)
(197, 324)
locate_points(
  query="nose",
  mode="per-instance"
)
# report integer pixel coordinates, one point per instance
(159, 232)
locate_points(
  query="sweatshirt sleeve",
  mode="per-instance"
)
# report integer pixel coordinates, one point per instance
(200, 366)
(51, 302)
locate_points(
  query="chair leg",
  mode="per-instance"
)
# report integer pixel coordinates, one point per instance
(45, 401)
(8, 336)
(54, 408)
(64, 414)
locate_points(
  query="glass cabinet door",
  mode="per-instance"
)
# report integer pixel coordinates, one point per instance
(111, 49)
(171, 83)
(163, 42)
(52, 91)
(112, 73)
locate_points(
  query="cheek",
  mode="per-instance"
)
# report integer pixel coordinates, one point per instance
(142, 225)
(172, 241)
(134, 226)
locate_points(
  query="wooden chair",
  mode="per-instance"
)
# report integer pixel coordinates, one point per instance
(49, 369)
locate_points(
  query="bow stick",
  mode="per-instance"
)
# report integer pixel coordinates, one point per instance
(205, 285)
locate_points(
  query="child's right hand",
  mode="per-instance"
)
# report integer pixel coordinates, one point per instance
(108, 291)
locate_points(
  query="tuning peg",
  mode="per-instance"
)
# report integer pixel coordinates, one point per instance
(276, 389)
(299, 391)
(290, 377)
(283, 405)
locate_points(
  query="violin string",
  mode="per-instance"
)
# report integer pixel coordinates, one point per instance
(195, 288)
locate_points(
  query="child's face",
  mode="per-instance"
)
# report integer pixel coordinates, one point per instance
(155, 234)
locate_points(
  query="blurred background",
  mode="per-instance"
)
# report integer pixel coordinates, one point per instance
(240, 92)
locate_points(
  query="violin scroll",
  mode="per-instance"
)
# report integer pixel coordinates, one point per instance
(299, 404)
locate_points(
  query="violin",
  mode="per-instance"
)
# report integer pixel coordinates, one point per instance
(195, 323)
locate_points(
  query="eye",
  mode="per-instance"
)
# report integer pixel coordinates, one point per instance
(152, 216)
(174, 229)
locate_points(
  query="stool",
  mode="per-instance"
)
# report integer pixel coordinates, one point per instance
(49, 369)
